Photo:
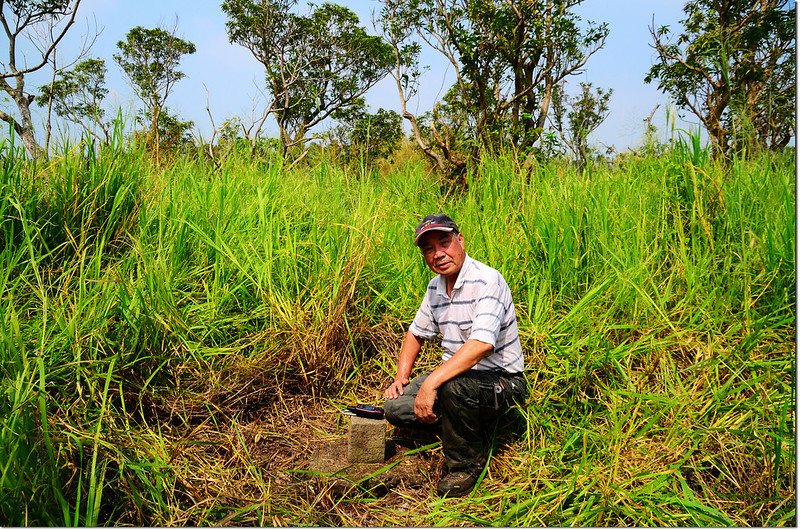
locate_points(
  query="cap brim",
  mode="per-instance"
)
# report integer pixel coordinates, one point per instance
(431, 229)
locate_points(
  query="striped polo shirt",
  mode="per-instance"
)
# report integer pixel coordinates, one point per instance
(480, 308)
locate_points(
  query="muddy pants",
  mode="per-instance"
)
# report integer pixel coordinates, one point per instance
(468, 406)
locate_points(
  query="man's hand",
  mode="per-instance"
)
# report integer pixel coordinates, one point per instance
(395, 390)
(423, 404)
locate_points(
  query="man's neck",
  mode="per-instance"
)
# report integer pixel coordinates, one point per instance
(451, 279)
(449, 284)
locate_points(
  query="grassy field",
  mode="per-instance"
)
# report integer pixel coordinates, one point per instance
(176, 342)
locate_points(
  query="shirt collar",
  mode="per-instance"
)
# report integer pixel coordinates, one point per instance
(441, 284)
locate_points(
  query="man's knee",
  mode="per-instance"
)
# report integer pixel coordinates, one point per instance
(396, 411)
(390, 411)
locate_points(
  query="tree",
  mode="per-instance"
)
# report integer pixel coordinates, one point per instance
(315, 65)
(763, 111)
(150, 59)
(77, 96)
(173, 133)
(367, 137)
(733, 61)
(42, 24)
(578, 116)
(399, 20)
(508, 57)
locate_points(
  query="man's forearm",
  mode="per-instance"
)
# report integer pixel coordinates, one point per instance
(408, 356)
(405, 363)
(464, 359)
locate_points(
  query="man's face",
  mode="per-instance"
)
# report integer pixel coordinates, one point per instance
(443, 252)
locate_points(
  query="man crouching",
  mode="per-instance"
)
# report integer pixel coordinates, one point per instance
(481, 374)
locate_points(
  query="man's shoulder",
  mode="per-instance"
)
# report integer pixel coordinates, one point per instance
(480, 270)
(434, 284)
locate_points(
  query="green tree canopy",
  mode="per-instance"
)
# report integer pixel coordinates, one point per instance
(732, 64)
(150, 59)
(315, 64)
(366, 137)
(507, 56)
(78, 93)
(577, 116)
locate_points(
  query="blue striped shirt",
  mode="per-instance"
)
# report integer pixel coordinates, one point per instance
(480, 308)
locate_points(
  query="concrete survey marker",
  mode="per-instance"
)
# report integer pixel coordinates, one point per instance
(366, 440)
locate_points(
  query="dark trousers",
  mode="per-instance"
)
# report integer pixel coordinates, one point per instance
(468, 406)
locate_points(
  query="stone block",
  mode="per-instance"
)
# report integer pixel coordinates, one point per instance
(366, 440)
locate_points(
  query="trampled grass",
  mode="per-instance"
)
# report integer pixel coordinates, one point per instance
(176, 342)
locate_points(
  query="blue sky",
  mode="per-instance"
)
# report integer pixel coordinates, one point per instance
(226, 78)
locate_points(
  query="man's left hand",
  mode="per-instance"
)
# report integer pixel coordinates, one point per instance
(423, 404)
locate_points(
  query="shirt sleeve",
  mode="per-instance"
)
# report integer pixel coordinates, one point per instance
(424, 326)
(490, 312)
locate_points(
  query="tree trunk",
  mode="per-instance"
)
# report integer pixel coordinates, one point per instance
(27, 130)
(23, 127)
(429, 152)
(154, 132)
(717, 103)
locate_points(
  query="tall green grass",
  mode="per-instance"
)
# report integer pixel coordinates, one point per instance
(157, 325)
